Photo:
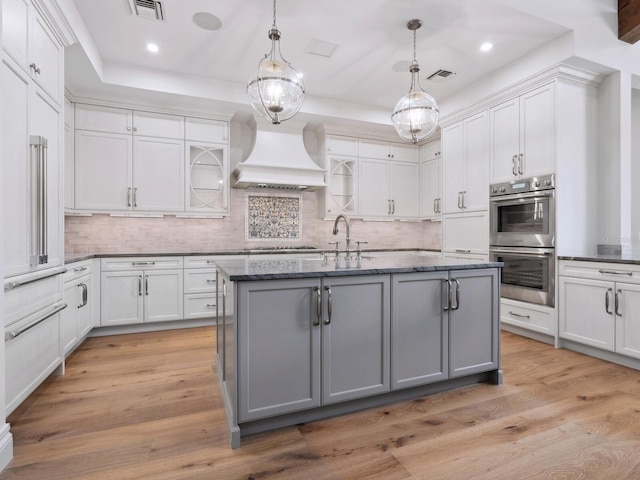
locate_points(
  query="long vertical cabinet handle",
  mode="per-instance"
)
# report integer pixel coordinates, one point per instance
(459, 198)
(318, 307)
(146, 284)
(435, 205)
(129, 197)
(39, 157)
(606, 301)
(447, 307)
(135, 196)
(139, 285)
(513, 165)
(464, 199)
(329, 306)
(521, 164)
(85, 294)
(457, 294)
(618, 302)
(393, 207)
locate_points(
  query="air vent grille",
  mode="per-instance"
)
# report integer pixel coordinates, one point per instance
(269, 186)
(440, 75)
(151, 9)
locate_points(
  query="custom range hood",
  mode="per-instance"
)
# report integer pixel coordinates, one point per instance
(278, 160)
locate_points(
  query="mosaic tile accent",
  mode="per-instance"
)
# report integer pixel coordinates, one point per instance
(273, 217)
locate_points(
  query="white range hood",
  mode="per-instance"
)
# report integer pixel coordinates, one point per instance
(278, 160)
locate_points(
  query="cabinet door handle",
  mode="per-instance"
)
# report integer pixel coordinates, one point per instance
(329, 306)
(514, 314)
(388, 207)
(318, 307)
(459, 198)
(457, 294)
(393, 207)
(211, 305)
(613, 272)
(618, 301)
(439, 205)
(464, 199)
(520, 164)
(139, 285)
(135, 196)
(129, 197)
(85, 294)
(606, 301)
(447, 307)
(513, 165)
(35, 68)
(435, 205)
(146, 284)
(211, 281)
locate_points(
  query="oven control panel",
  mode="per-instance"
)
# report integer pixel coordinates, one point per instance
(523, 185)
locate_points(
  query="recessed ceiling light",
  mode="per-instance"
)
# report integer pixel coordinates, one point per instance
(207, 21)
(486, 46)
(152, 47)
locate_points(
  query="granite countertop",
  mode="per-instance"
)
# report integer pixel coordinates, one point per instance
(270, 269)
(72, 257)
(632, 258)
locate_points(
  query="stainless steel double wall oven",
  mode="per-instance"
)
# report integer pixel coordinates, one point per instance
(523, 224)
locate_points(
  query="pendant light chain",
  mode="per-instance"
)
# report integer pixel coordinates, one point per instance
(274, 15)
(414, 48)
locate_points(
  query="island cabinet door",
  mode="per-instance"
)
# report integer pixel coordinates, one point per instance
(355, 337)
(474, 322)
(419, 329)
(278, 347)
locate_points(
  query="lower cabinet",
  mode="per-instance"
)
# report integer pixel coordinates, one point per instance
(443, 325)
(78, 318)
(599, 306)
(141, 290)
(330, 335)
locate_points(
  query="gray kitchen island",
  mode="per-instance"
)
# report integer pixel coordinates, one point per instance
(310, 338)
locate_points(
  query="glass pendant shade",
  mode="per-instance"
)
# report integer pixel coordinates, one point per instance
(416, 115)
(276, 90)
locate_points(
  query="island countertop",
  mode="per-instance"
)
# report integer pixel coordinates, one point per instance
(250, 269)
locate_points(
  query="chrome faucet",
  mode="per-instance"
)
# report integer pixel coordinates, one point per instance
(348, 223)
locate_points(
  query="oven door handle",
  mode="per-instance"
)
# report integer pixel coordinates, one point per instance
(518, 196)
(533, 253)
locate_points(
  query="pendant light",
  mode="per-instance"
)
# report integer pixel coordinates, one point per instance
(415, 116)
(276, 89)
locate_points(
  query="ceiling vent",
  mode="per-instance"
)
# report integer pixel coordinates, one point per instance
(440, 75)
(151, 9)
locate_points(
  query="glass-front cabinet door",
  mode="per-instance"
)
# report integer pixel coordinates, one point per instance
(206, 176)
(342, 185)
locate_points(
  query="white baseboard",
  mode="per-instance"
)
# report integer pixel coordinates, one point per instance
(6, 446)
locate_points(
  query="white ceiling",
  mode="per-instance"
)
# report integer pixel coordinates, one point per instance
(371, 38)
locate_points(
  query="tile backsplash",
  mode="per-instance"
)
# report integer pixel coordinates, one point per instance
(106, 234)
(273, 217)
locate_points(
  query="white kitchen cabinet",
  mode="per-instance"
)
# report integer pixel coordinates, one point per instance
(27, 39)
(128, 161)
(389, 189)
(466, 233)
(78, 318)
(537, 318)
(387, 150)
(599, 305)
(137, 290)
(522, 140)
(339, 145)
(69, 164)
(430, 180)
(465, 165)
(206, 130)
(200, 299)
(33, 226)
(340, 160)
(206, 172)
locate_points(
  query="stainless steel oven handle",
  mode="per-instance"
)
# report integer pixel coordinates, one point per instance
(531, 253)
(517, 196)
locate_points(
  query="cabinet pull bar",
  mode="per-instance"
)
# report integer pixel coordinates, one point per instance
(329, 306)
(447, 307)
(135, 194)
(35, 68)
(85, 294)
(606, 300)
(142, 263)
(211, 262)
(464, 199)
(129, 197)
(462, 250)
(613, 272)
(435, 205)
(618, 299)
(211, 305)
(80, 269)
(520, 164)
(318, 307)
(457, 294)
(211, 281)
(16, 333)
(513, 165)
(50, 273)
(146, 284)
(139, 285)
(393, 207)
(514, 314)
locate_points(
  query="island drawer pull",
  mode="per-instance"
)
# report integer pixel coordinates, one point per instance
(329, 306)
(457, 294)
(618, 302)
(318, 307)
(613, 272)
(447, 307)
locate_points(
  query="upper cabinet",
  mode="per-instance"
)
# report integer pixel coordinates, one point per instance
(430, 191)
(522, 142)
(387, 150)
(135, 161)
(389, 189)
(340, 157)
(30, 43)
(465, 165)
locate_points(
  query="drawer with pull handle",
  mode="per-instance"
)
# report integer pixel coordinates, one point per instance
(616, 272)
(140, 263)
(532, 317)
(200, 280)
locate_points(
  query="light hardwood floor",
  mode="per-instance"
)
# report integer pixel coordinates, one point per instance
(147, 406)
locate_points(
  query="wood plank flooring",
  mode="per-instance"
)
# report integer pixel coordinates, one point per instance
(147, 406)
